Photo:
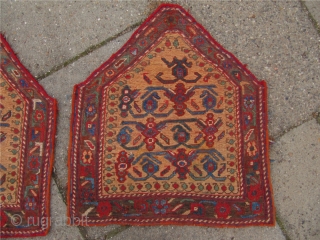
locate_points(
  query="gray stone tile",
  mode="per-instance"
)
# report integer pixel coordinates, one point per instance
(200, 233)
(278, 43)
(296, 178)
(99, 233)
(47, 33)
(314, 8)
(59, 228)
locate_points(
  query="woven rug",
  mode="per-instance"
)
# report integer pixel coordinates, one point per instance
(172, 129)
(27, 131)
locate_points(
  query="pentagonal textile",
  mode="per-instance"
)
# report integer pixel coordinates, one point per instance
(172, 129)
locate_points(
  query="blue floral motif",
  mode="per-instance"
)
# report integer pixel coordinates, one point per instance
(248, 102)
(160, 206)
(30, 203)
(90, 110)
(199, 40)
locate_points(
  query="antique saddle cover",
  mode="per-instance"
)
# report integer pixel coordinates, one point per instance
(27, 134)
(172, 129)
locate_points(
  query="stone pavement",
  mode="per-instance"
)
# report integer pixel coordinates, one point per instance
(62, 42)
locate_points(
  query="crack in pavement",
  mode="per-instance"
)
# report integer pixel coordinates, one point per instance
(88, 51)
(310, 16)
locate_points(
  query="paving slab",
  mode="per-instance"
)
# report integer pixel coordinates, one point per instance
(47, 33)
(200, 233)
(59, 229)
(279, 44)
(99, 233)
(314, 7)
(296, 177)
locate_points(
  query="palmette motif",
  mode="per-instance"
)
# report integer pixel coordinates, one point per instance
(171, 130)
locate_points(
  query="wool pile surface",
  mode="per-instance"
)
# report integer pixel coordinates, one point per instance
(172, 129)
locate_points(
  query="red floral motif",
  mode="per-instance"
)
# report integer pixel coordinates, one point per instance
(122, 165)
(104, 209)
(222, 210)
(197, 208)
(254, 192)
(39, 116)
(180, 96)
(171, 20)
(211, 129)
(34, 162)
(181, 161)
(141, 205)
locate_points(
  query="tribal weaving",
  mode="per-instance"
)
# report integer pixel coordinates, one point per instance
(27, 132)
(172, 129)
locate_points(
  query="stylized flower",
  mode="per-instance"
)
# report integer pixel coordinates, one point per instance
(91, 127)
(248, 101)
(109, 73)
(199, 40)
(160, 206)
(256, 207)
(141, 205)
(30, 203)
(171, 20)
(34, 163)
(90, 110)
(104, 209)
(222, 210)
(252, 148)
(3, 219)
(247, 118)
(87, 156)
(143, 43)
(33, 177)
(39, 115)
(254, 192)
(197, 208)
(87, 195)
(23, 83)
